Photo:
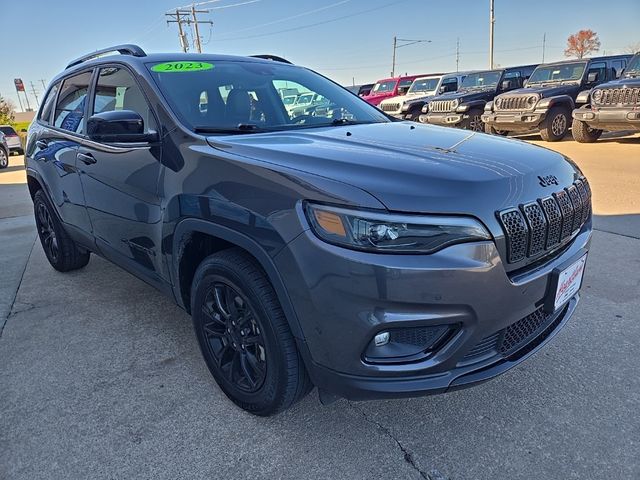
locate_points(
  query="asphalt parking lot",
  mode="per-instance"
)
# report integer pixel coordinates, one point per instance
(101, 377)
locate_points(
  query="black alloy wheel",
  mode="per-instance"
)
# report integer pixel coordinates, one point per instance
(244, 335)
(233, 336)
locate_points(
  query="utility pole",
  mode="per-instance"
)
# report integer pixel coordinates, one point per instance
(458, 54)
(544, 44)
(492, 21)
(395, 47)
(44, 85)
(188, 17)
(184, 44)
(35, 93)
(406, 43)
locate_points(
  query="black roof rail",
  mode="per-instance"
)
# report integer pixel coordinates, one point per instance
(275, 58)
(126, 49)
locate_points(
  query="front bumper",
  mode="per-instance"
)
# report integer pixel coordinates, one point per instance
(343, 298)
(514, 121)
(450, 119)
(610, 119)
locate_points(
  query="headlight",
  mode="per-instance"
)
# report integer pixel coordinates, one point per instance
(425, 108)
(455, 103)
(597, 95)
(532, 100)
(498, 102)
(391, 233)
(405, 107)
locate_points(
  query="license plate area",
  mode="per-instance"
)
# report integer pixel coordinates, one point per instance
(566, 281)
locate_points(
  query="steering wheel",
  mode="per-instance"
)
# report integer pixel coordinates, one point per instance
(300, 118)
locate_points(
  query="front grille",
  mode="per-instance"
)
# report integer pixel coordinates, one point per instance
(484, 347)
(619, 96)
(441, 106)
(514, 102)
(390, 107)
(542, 225)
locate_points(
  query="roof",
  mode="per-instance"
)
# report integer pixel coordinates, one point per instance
(588, 59)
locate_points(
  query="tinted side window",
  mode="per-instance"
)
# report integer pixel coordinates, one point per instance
(600, 68)
(48, 103)
(450, 84)
(71, 103)
(618, 66)
(117, 90)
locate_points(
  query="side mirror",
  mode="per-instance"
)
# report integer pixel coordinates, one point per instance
(118, 126)
(524, 82)
(508, 85)
(592, 77)
(403, 90)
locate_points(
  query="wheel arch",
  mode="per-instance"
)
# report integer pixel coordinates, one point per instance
(221, 238)
(561, 101)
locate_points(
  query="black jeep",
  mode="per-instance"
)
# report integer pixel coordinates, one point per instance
(546, 102)
(614, 106)
(464, 108)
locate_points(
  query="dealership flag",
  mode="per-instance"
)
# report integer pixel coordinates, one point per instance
(19, 85)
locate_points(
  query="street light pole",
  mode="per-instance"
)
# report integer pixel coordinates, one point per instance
(492, 21)
(406, 43)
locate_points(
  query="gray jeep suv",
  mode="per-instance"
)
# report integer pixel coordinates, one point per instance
(369, 257)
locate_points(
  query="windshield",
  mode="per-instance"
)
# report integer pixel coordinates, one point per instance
(482, 80)
(424, 85)
(383, 87)
(244, 97)
(558, 73)
(634, 64)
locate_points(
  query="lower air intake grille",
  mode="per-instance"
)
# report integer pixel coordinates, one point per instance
(517, 333)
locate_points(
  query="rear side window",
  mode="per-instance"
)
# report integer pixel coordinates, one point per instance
(117, 90)
(71, 104)
(47, 104)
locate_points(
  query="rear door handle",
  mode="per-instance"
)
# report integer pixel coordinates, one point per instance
(86, 158)
(42, 144)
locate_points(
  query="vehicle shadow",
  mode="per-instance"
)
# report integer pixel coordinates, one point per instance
(630, 137)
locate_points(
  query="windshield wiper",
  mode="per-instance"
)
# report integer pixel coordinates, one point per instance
(241, 128)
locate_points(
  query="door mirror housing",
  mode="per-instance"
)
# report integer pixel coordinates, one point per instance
(403, 90)
(118, 126)
(592, 77)
(509, 84)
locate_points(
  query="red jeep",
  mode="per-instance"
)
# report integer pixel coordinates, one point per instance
(389, 87)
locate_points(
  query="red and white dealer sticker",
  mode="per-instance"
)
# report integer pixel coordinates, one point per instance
(569, 282)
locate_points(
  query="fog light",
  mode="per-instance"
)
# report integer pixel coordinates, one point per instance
(381, 339)
(410, 344)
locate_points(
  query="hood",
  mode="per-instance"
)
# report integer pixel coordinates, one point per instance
(631, 82)
(468, 96)
(376, 98)
(544, 92)
(412, 167)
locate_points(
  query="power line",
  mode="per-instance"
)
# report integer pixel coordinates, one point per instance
(324, 22)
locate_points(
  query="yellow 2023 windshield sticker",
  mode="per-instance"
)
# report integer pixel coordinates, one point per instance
(169, 67)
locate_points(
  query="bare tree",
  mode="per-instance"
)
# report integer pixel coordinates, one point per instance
(632, 48)
(582, 44)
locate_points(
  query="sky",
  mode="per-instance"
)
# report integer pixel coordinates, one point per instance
(347, 40)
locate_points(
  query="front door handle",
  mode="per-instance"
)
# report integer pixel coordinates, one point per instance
(42, 144)
(86, 158)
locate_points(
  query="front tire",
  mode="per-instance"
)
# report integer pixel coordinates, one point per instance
(244, 336)
(62, 252)
(555, 125)
(492, 131)
(474, 121)
(583, 133)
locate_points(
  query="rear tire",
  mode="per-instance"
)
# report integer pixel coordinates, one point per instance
(555, 125)
(244, 336)
(4, 159)
(62, 252)
(583, 133)
(474, 122)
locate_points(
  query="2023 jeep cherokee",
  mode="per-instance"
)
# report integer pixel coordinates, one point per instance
(464, 108)
(369, 257)
(613, 106)
(545, 103)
